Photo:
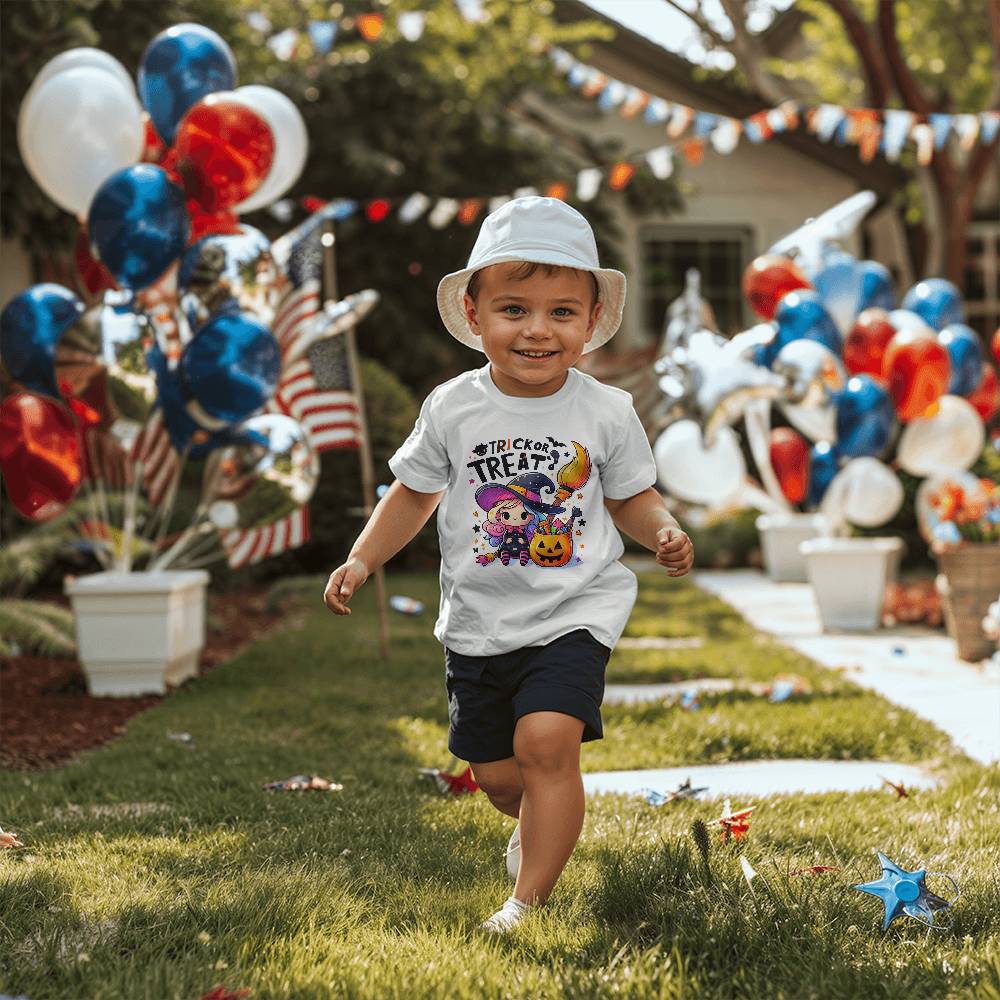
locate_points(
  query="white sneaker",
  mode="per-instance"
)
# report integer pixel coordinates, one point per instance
(513, 853)
(512, 912)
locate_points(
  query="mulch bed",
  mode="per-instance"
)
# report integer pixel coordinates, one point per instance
(47, 716)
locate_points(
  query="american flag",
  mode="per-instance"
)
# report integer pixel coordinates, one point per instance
(160, 462)
(243, 548)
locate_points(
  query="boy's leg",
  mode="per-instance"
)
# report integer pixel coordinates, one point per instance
(547, 753)
(501, 781)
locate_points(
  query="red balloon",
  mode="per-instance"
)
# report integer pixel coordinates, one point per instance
(211, 223)
(768, 279)
(95, 276)
(223, 151)
(996, 344)
(986, 396)
(39, 454)
(153, 147)
(790, 461)
(916, 368)
(864, 346)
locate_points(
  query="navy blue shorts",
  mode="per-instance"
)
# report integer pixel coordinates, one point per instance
(488, 694)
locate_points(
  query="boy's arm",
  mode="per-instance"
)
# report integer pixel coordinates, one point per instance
(396, 519)
(645, 518)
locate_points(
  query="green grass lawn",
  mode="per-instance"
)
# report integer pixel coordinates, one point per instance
(154, 870)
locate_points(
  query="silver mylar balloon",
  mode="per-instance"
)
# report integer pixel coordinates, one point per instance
(224, 271)
(335, 318)
(813, 372)
(264, 479)
(818, 423)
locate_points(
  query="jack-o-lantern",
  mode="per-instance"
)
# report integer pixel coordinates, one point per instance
(551, 550)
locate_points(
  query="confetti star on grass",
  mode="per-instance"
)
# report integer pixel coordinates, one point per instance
(899, 789)
(904, 892)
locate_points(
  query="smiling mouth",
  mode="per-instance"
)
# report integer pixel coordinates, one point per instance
(536, 355)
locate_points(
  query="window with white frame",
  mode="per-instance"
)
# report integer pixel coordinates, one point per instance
(718, 253)
(982, 277)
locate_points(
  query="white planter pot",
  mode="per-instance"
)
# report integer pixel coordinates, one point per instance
(780, 535)
(138, 632)
(849, 577)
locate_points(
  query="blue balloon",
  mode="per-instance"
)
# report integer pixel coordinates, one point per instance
(936, 301)
(179, 67)
(838, 283)
(138, 224)
(30, 327)
(230, 370)
(877, 288)
(801, 315)
(965, 351)
(823, 467)
(865, 418)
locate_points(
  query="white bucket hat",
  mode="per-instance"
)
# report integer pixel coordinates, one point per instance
(543, 231)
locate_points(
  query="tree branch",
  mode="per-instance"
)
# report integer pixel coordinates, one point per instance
(878, 81)
(907, 85)
(995, 31)
(751, 55)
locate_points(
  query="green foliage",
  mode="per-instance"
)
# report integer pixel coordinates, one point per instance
(31, 628)
(729, 539)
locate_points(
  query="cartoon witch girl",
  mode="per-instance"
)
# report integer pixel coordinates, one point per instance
(512, 516)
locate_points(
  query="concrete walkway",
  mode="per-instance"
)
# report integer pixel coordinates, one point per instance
(912, 666)
(764, 777)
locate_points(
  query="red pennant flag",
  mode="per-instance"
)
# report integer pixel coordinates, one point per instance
(620, 175)
(694, 151)
(377, 210)
(469, 211)
(558, 190)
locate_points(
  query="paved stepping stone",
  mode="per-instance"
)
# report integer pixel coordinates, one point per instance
(633, 694)
(659, 642)
(764, 777)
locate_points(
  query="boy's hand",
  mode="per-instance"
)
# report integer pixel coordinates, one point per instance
(674, 550)
(344, 580)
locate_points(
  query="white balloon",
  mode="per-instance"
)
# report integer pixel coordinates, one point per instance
(865, 492)
(80, 126)
(291, 142)
(952, 439)
(691, 471)
(83, 56)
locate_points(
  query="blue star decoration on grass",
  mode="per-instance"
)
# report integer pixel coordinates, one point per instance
(904, 892)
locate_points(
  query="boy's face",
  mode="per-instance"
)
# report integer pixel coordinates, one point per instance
(533, 329)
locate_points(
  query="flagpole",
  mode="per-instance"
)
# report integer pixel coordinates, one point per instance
(328, 241)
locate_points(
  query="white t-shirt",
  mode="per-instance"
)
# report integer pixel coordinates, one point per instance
(528, 550)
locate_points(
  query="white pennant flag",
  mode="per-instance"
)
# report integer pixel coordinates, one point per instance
(283, 44)
(967, 129)
(923, 136)
(829, 116)
(497, 201)
(725, 136)
(588, 183)
(561, 59)
(443, 212)
(411, 24)
(525, 192)
(657, 111)
(661, 161)
(414, 207)
(896, 131)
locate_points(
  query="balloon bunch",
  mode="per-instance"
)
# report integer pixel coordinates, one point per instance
(193, 319)
(860, 380)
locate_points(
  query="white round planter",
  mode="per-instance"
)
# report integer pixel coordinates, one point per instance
(780, 535)
(138, 632)
(849, 577)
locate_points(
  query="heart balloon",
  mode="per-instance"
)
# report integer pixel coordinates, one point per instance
(789, 455)
(768, 279)
(30, 327)
(865, 418)
(917, 371)
(965, 355)
(865, 345)
(39, 455)
(690, 471)
(223, 151)
(180, 66)
(985, 398)
(937, 301)
(952, 438)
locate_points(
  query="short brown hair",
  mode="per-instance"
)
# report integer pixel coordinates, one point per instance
(525, 269)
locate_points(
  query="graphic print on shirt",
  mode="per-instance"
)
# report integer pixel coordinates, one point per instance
(522, 522)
